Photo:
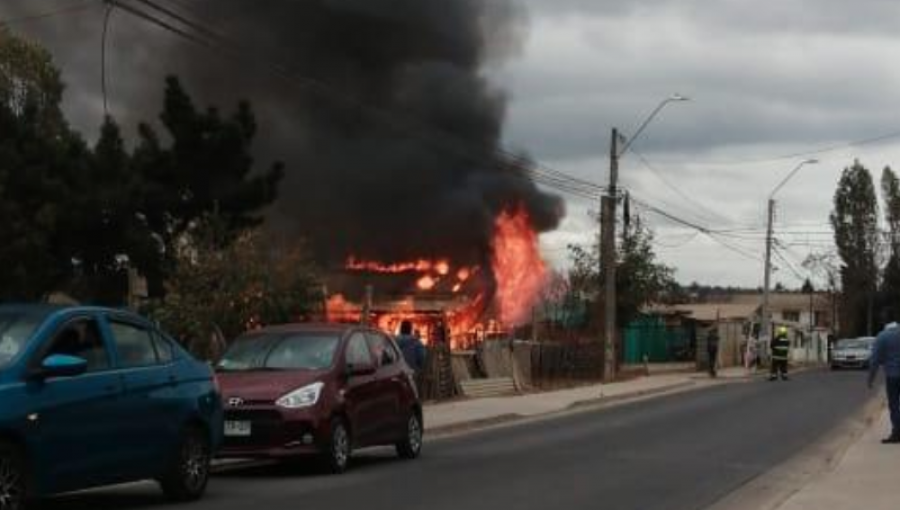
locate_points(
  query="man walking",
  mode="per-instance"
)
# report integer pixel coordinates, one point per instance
(781, 350)
(886, 353)
(412, 347)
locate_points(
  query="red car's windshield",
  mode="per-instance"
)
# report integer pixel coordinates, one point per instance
(282, 351)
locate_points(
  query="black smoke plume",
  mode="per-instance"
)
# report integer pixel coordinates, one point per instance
(413, 173)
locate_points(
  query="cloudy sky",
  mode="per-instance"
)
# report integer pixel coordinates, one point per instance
(769, 81)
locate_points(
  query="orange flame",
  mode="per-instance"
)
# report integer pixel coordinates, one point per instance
(426, 283)
(519, 270)
(338, 309)
(417, 266)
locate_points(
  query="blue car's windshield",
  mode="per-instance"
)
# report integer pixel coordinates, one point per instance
(292, 351)
(16, 329)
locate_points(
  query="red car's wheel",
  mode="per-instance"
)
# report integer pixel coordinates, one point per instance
(411, 445)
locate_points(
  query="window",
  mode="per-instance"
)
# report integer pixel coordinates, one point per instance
(358, 351)
(821, 319)
(790, 316)
(382, 349)
(164, 349)
(134, 345)
(81, 338)
(278, 351)
(16, 329)
(310, 352)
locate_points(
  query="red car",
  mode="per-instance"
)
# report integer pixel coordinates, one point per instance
(320, 390)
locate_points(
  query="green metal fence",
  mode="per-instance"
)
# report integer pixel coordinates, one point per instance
(649, 337)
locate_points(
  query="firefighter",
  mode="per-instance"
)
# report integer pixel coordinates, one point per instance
(781, 348)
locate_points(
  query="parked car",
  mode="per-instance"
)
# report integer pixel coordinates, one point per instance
(93, 397)
(852, 353)
(318, 390)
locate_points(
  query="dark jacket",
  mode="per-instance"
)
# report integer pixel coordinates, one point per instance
(781, 348)
(712, 341)
(413, 351)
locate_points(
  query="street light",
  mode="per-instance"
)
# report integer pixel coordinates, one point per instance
(769, 239)
(674, 98)
(608, 236)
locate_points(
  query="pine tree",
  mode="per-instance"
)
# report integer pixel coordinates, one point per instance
(855, 223)
(889, 297)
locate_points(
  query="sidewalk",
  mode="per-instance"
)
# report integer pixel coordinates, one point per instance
(465, 414)
(866, 477)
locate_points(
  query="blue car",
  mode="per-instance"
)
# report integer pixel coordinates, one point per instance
(91, 397)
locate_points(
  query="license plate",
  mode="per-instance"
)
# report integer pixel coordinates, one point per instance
(238, 428)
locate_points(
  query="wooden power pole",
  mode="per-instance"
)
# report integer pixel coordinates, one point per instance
(608, 261)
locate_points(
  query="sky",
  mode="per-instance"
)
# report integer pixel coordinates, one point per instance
(771, 83)
(766, 79)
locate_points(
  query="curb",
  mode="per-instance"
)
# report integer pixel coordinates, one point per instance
(772, 489)
(581, 405)
(600, 401)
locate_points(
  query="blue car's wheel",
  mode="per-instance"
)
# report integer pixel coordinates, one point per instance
(12, 479)
(188, 473)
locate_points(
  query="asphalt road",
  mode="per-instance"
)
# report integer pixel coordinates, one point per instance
(682, 451)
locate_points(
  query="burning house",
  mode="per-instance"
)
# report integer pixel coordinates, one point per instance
(446, 302)
(389, 127)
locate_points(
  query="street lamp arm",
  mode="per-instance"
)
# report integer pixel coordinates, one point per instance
(649, 119)
(790, 176)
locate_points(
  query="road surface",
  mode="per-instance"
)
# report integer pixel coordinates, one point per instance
(679, 452)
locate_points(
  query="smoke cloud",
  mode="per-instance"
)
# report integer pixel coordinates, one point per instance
(421, 181)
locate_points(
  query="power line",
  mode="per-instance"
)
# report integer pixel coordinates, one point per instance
(797, 155)
(107, 17)
(224, 47)
(711, 234)
(659, 175)
(79, 5)
(787, 263)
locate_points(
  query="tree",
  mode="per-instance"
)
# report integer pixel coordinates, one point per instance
(40, 157)
(889, 295)
(855, 223)
(220, 290)
(206, 169)
(640, 280)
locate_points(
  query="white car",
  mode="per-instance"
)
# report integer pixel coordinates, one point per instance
(852, 353)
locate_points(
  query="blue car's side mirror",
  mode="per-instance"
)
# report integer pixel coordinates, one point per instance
(60, 365)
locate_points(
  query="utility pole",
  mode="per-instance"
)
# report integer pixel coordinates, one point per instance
(608, 261)
(766, 326)
(767, 280)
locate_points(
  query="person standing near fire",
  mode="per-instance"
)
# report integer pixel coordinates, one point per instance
(712, 350)
(412, 347)
(780, 347)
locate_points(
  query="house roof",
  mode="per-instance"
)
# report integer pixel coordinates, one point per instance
(785, 300)
(710, 312)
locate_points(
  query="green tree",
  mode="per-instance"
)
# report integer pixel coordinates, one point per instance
(855, 223)
(640, 278)
(889, 295)
(104, 229)
(219, 290)
(207, 168)
(39, 159)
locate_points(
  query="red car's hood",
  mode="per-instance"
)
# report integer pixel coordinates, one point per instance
(265, 386)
